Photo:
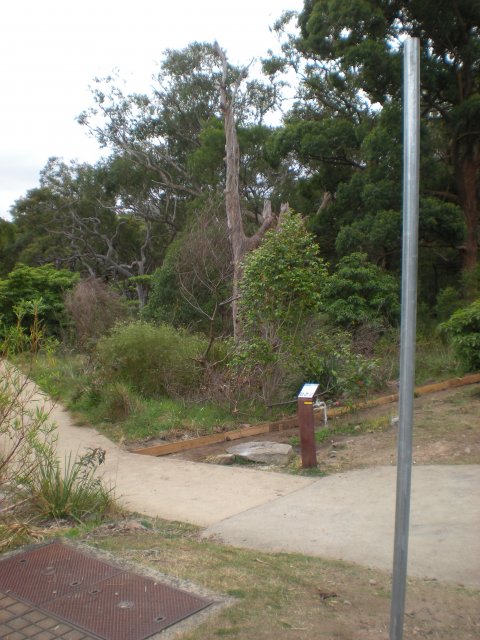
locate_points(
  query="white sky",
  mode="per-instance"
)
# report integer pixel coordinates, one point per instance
(51, 50)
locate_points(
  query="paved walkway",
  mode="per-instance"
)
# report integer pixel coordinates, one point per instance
(347, 516)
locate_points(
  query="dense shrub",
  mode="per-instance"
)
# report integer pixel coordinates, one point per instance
(93, 308)
(153, 360)
(286, 339)
(283, 279)
(358, 292)
(463, 328)
(27, 284)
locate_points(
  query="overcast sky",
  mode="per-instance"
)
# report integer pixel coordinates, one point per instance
(51, 50)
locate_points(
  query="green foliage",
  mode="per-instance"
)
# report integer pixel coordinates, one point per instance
(195, 278)
(463, 328)
(7, 246)
(26, 284)
(153, 360)
(448, 301)
(283, 279)
(358, 292)
(71, 490)
(25, 431)
(286, 342)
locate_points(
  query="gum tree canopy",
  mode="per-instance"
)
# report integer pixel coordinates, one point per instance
(357, 44)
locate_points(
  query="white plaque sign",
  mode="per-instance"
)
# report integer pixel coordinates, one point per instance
(308, 390)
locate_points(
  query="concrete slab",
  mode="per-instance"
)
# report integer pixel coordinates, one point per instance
(351, 516)
(201, 494)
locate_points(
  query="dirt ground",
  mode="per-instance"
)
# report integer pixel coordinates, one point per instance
(446, 431)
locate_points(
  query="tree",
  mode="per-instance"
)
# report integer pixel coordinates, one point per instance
(280, 290)
(106, 220)
(193, 285)
(7, 246)
(353, 46)
(187, 134)
(240, 242)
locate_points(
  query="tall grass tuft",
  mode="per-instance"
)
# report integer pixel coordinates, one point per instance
(73, 492)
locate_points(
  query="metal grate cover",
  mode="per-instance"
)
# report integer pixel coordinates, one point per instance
(94, 595)
(51, 571)
(126, 607)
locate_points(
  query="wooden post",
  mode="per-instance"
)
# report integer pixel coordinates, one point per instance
(306, 422)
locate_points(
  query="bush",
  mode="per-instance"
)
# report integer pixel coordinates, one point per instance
(449, 300)
(45, 283)
(463, 328)
(358, 292)
(153, 360)
(93, 309)
(318, 353)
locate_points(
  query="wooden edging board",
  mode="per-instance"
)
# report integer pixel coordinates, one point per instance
(289, 423)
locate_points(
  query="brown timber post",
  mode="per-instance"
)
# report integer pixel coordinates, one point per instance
(306, 422)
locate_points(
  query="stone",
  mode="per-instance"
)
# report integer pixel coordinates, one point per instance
(263, 452)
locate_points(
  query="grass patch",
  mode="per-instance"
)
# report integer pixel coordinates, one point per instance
(353, 428)
(291, 596)
(120, 412)
(71, 490)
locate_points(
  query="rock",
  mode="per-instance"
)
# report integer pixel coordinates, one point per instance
(394, 421)
(468, 450)
(264, 452)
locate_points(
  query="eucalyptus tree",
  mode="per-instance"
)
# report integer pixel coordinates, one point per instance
(200, 132)
(104, 221)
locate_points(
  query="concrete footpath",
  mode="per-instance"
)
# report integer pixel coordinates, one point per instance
(348, 516)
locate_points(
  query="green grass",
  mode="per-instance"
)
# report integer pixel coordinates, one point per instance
(123, 414)
(350, 428)
(71, 490)
(279, 595)
(117, 410)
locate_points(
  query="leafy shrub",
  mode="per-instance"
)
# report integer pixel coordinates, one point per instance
(283, 279)
(195, 277)
(287, 341)
(153, 360)
(281, 288)
(359, 292)
(93, 309)
(319, 353)
(463, 328)
(448, 301)
(33, 283)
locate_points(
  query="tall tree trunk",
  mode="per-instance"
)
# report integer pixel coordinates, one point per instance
(239, 241)
(467, 175)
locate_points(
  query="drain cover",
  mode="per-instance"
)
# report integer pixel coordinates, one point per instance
(93, 595)
(126, 606)
(51, 571)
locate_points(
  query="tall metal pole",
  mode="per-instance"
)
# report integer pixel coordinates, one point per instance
(411, 160)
